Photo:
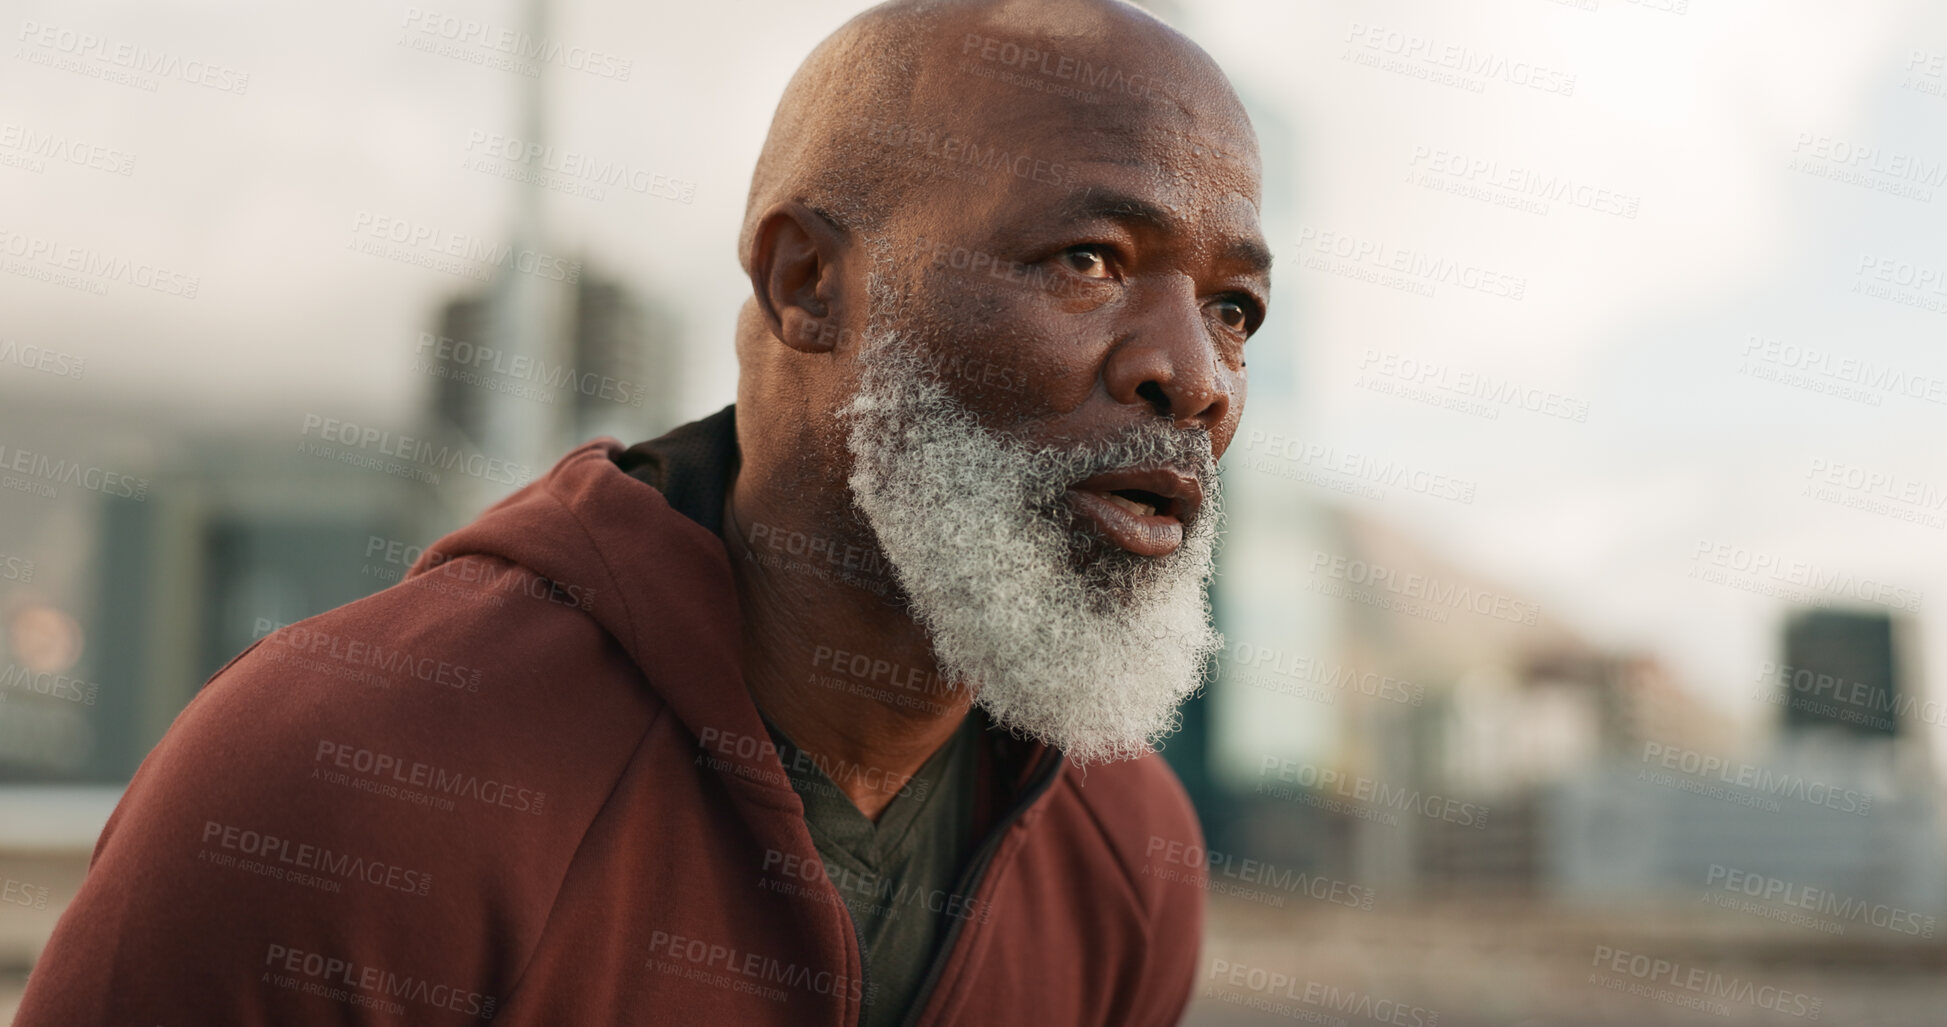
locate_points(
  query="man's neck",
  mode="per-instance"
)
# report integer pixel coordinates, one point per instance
(846, 675)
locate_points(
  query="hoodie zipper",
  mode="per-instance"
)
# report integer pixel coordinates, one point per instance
(865, 985)
(968, 886)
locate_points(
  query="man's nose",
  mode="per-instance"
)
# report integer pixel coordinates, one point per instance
(1167, 361)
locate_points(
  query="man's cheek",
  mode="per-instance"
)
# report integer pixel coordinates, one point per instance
(1226, 430)
(1220, 440)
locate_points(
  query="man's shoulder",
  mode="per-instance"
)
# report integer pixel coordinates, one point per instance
(417, 766)
(476, 663)
(1138, 794)
(455, 716)
(1141, 810)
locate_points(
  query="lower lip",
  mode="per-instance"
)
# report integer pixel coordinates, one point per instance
(1154, 535)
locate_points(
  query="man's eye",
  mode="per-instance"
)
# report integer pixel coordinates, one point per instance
(1234, 315)
(1088, 261)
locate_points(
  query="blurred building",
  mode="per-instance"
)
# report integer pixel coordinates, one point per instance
(614, 376)
(1516, 759)
(1428, 698)
(1837, 792)
(231, 531)
(133, 601)
(1854, 651)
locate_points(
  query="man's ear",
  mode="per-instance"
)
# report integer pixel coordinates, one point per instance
(796, 270)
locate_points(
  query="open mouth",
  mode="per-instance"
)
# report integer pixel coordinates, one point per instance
(1142, 510)
(1141, 502)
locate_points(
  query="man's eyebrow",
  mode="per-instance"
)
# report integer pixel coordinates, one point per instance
(1254, 255)
(1103, 205)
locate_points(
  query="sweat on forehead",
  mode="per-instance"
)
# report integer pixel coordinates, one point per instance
(913, 96)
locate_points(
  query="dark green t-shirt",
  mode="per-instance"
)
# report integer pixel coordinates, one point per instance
(898, 875)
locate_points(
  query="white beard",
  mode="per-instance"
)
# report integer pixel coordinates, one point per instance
(1086, 648)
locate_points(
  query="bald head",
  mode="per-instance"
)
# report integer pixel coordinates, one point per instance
(1057, 198)
(916, 100)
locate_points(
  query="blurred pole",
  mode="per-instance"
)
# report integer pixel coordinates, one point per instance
(528, 310)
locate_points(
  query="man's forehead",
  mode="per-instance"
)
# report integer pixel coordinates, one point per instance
(1202, 155)
(1189, 170)
(1127, 132)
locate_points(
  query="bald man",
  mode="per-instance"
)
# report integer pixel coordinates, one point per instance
(835, 707)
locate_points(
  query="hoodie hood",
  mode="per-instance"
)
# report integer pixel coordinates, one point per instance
(630, 536)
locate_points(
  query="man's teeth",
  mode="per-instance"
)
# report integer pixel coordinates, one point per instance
(1139, 509)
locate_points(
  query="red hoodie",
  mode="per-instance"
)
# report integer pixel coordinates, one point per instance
(527, 785)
